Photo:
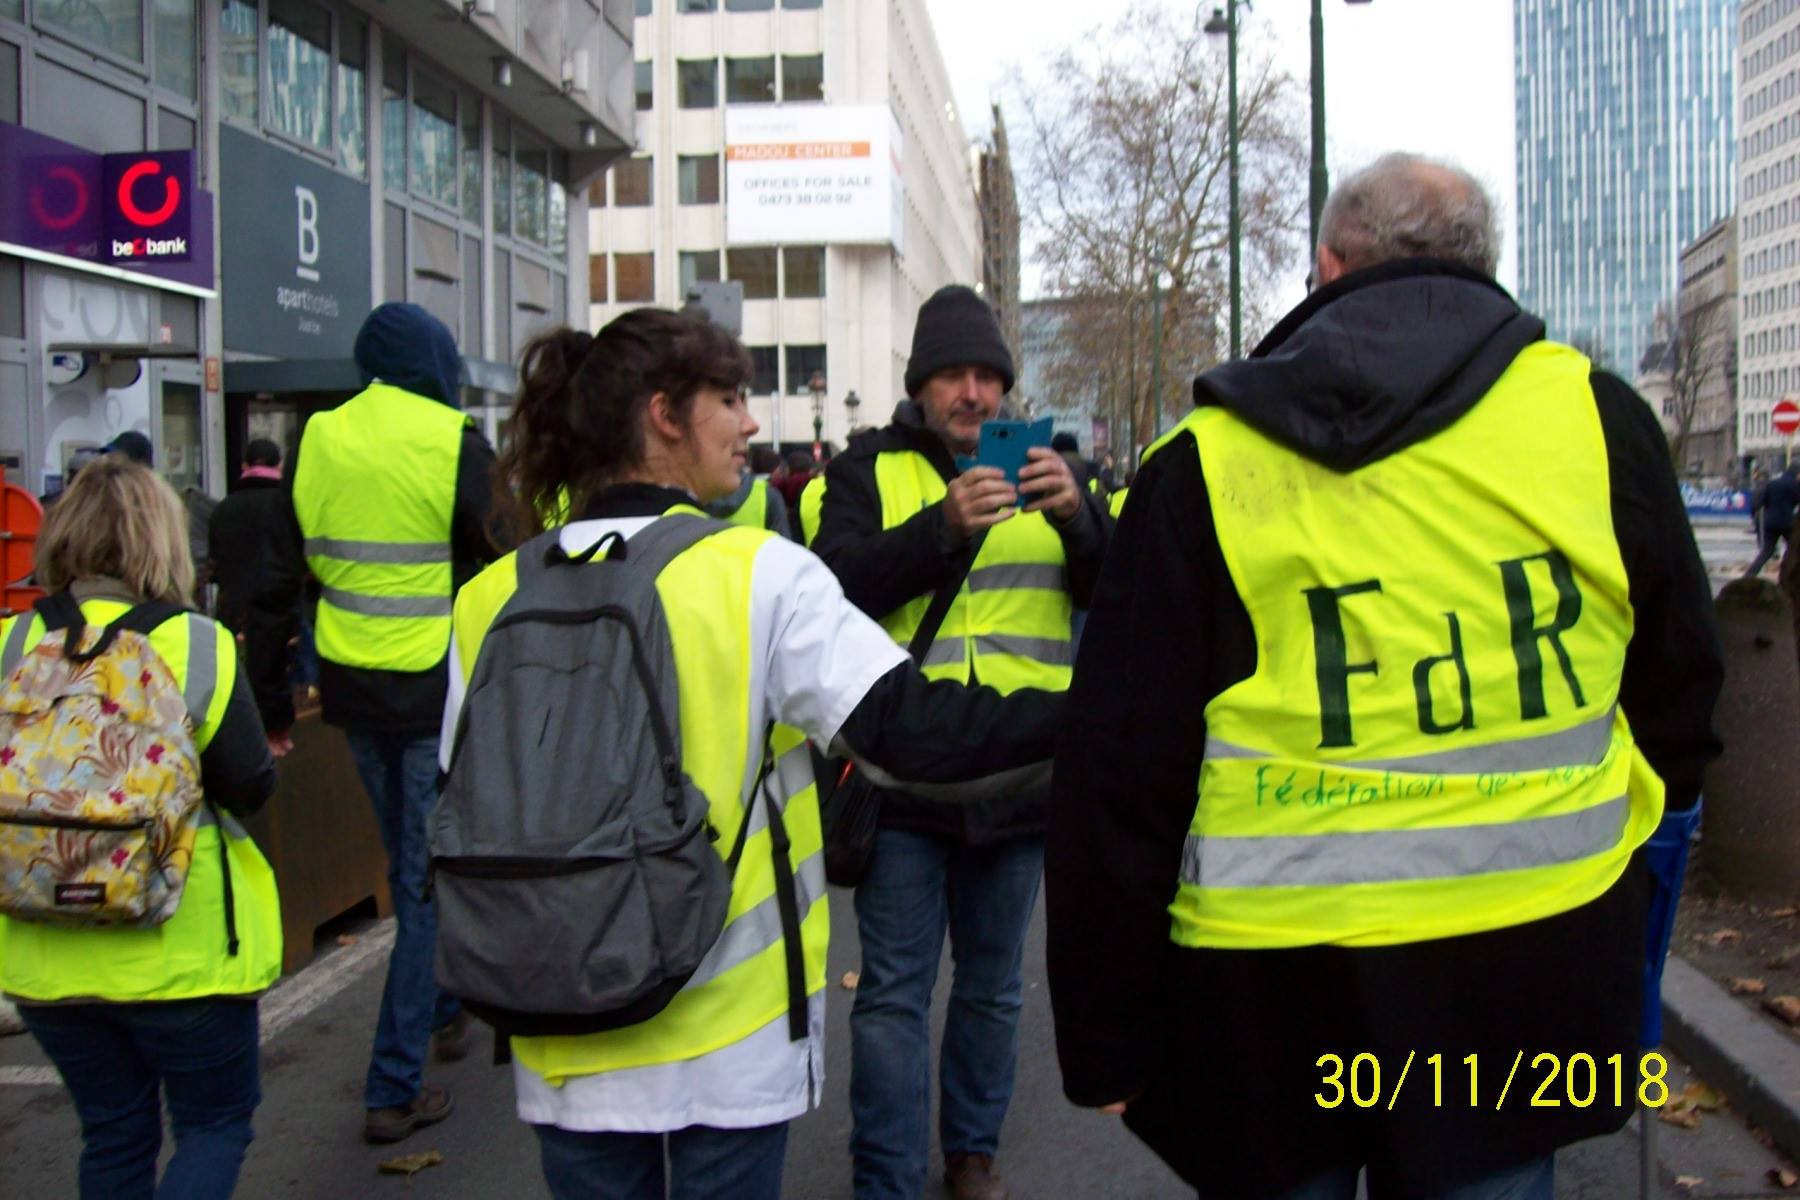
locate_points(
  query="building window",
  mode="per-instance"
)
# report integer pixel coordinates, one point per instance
(531, 190)
(696, 6)
(353, 94)
(643, 8)
(793, 5)
(804, 271)
(238, 74)
(754, 268)
(471, 157)
(803, 77)
(502, 180)
(299, 45)
(766, 364)
(596, 279)
(597, 193)
(749, 80)
(632, 183)
(634, 276)
(115, 26)
(698, 266)
(433, 139)
(749, 5)
(699, 178)
(176, 45)
(802, 362)
(559, 205)
(393, 115)
(697, 83)
(646, 85)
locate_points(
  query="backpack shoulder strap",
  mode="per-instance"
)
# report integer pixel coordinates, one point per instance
(202, 681)
(664, 539)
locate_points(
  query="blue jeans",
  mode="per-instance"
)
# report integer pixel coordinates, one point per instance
(916, 887)
(116, 1058)
(400, 773)
(704, 1163)
(1531, 1181)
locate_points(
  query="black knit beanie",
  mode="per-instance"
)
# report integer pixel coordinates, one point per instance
(956, 328)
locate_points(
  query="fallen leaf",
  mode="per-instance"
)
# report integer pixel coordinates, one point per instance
(1690, 1182)
(1741, 986)
(849, 981)
(346, 939)
(1683, 1115)
(1783, 1177)
(1722, 937)
(1784, 958)
(1785, 1007)
(411, 1164)
(1788, 911)
(1701, 1096)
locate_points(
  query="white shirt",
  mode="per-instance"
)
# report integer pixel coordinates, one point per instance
(814, 656)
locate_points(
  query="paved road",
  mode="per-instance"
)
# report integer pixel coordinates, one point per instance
(308, 1127)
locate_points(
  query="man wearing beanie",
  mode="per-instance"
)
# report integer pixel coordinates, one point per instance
(898, 521)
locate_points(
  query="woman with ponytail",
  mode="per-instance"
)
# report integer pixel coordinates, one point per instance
(618, 431)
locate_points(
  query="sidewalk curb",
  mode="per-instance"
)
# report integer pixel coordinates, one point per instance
(1735, 1050)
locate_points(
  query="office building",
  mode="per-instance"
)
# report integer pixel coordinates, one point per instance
(1625, 128)
(811, 151)
(1768, 228)
(999, 203)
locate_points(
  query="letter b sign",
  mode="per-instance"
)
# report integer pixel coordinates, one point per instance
(306, 209)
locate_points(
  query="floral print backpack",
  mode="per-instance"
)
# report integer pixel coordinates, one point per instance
(100, 797)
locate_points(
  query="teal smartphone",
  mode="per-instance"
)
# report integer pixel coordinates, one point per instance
(1004, 444)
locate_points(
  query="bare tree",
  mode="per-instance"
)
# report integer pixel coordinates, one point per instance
(1698, 352)
(1127, 192)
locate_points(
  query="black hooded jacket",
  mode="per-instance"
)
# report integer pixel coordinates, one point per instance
(1217, 1049)
(882, 569)
(404, 346)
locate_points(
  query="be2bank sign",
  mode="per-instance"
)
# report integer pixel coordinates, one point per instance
(149, 208)
(812, 173)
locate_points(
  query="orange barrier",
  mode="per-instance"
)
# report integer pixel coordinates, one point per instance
(20, 518)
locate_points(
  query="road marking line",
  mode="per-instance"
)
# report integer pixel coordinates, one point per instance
(283, 1005)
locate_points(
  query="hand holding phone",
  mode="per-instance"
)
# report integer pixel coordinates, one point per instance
(978, 499)
(1007, 444)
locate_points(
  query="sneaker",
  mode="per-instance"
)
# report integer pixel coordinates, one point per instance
(972, 1177)
(430, 1106)
(10, 1020)
(453, 1042)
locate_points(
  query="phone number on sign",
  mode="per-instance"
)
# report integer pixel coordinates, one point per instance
(1543, 1080)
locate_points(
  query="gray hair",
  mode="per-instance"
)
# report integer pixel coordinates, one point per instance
(1407, 206)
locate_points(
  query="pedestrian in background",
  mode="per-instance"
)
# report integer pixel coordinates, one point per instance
(898, 520)
(129, 1014)
(1772, 507)
(248, 539)
(756, 501)
(391, 496)
(1402, 647)
(641, 421)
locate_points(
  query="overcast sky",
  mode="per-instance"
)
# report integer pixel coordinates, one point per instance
(1420, 75)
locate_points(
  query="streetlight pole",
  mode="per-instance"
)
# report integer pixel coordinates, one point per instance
(1320, 180)
(1225, 21)
(1156, 323)
(816, 385)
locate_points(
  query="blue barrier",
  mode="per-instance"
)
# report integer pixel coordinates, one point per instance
(1665, 854)
(1715, 502)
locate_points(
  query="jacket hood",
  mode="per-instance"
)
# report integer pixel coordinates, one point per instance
(1375, 361)
(407, 347)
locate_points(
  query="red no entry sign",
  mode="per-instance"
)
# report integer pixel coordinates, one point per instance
(1785, 416)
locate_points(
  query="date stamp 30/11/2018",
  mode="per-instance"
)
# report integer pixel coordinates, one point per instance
(1542, 1080)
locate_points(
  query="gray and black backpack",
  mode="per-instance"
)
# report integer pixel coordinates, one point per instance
(573, 862)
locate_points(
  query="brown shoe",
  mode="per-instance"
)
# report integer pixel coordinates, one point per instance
(972, 1177)
(453, 1042)
(430, 1106)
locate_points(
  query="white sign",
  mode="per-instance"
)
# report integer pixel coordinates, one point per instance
(812, 173)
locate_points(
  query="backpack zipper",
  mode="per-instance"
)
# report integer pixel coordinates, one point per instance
(50, 821)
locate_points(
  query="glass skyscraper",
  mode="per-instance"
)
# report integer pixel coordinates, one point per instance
(1625, 123)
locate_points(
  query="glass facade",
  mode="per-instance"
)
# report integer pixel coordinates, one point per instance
(238, 69)
(299, 47)
(115, 26)
(353, 94)
(175, 45)
(1626, 152)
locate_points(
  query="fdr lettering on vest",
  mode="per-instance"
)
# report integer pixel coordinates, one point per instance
(1335, 671)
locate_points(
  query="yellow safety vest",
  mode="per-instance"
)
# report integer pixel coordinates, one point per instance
(375, 493)
(812, 502)
(185, 957)
(705, 594)
(753, 513)
(1010, 624)
(1431, 744)
(1115, 503)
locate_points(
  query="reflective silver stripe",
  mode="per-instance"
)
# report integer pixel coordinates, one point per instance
(1053, 652)
(1394, 855)
(1017, 575)
(945, 652)
(14, 652)
(1582, 746)
(397, 553)
(202, 668)
(388, 606)
(760, 927)
(206, 816)
(793, 773)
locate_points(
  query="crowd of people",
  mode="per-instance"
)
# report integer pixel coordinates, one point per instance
(1395, 652)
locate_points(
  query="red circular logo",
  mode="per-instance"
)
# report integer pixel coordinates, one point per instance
(148, 219)
(78, 205)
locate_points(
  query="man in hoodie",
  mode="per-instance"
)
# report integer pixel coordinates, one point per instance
(391, 501)
(1402, 648)
(897, 520)
(1772, 508)
(248, 556)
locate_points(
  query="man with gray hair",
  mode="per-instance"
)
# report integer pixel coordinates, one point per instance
(1401, 650)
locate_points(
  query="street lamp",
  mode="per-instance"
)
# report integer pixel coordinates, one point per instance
(851, 403)
(1320, 180)
(1225, 21)
(816, 385)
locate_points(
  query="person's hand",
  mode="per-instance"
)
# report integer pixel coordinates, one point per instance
(1048, 481)
(281, 743)
(978, 499)
(1116, 1110)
